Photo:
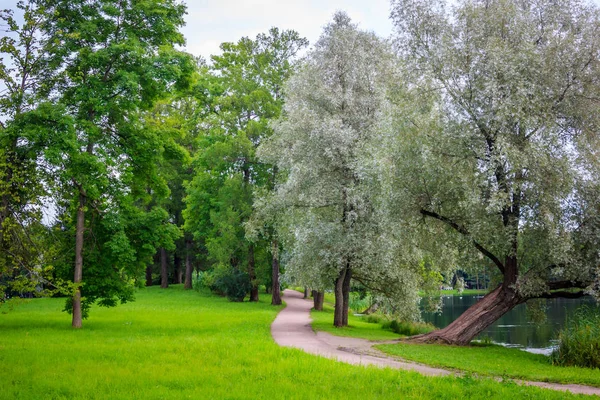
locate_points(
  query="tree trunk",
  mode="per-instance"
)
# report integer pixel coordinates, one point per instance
(164, 271)
(276, 299)
(372, 308)
(473, 321)
(318, 300)
(306, 292)
(149, 275)
(77, 277)
(338, 315)
(177, 268)
(252, 273)
(188, 264)
(346, 295)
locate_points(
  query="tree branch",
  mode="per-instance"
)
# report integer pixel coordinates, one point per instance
(563, 294)
(461, 229)
(568, 285)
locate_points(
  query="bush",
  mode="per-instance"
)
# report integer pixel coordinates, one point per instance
(579, 340)
(408, 328)
(234, 283)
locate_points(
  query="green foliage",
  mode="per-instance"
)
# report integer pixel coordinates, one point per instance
(235, 284)
(579, 340)
(118, 353)
(493, 360)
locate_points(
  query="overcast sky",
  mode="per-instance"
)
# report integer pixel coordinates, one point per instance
(210, 22)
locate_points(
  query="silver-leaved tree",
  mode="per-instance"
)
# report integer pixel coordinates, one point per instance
(506, 158)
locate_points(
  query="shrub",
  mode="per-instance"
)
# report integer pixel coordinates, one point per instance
(408, 328)
(579, 340)
(234, 283)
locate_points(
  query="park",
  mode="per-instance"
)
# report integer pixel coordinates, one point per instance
(414, 215)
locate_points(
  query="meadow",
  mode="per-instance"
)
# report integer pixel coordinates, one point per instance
(172, 343)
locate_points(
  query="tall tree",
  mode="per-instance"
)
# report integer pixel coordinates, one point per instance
(245, 94)
(331, 112)
(501, 164)
(118, 58)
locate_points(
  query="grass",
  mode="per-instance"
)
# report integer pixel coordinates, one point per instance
(323, 321)
(176, 344)
(493, 360)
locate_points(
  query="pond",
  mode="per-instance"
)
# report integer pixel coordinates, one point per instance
(513, 329)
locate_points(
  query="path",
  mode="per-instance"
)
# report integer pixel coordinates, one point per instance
(292, 328)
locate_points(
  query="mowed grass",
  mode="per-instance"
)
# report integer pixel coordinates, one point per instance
(176, 344)
(493, 360)
(357, 327)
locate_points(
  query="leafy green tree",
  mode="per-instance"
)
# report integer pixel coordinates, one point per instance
(117, 60)
(500, 167)
(244, 92)
(28, 73)
(333, 111)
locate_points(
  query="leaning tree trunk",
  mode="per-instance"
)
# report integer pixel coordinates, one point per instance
(164, 271)
(252, 273)
(339, 319)
(188, 264)
(473, 321)
(276, 299)
(318, 298)
(77, 277)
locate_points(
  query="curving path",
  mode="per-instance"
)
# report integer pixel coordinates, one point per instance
(292, 328)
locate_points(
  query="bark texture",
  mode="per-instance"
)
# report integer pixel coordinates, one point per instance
(77, 277)
(342, 295)
(473, 321)
(318, 299)
(275, 290)
(252, 273)
(188, 264)
(164, 270)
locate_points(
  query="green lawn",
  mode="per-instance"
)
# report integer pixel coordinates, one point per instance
(494, 360)
(323, 321)
(176, 344)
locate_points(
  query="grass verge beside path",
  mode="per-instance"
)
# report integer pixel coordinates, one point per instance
(174, 344)
(323, 321)
(493, 360)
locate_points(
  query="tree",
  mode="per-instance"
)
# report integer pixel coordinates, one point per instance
(117, 59)
(244, 94)
(332, 111)
(500, 162)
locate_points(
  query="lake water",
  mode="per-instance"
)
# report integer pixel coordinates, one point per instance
(513, 329)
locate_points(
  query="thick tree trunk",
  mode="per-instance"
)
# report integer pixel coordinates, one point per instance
(346, 295)
(318, 299)
(188, 264)
(338, 314)
(164, 271)
(177, 268)
(276, 299)
(473, 321)
(252, 273)
(77, 277)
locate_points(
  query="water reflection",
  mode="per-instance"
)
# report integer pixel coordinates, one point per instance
(513, 329)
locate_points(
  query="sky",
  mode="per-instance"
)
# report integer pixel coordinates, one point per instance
(210, 22)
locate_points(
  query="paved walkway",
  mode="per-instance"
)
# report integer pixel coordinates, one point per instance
(292, 328)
